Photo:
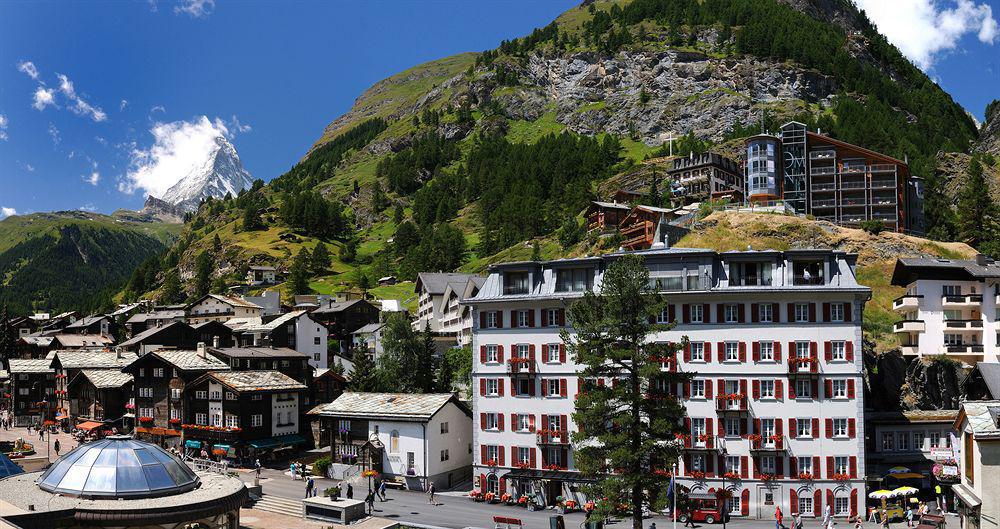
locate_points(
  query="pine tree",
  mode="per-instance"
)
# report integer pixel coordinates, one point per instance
(204, 266)
(6, 340)
(425, 360)
(623, 425)
(536, 251)
(298, 274)
(654, 198)
(251, 219)
(219, 285)
(216, 245)
(320, 261)
(338, 367)
(364, 375)
(977, 214)
(171, 292)
(349, 251)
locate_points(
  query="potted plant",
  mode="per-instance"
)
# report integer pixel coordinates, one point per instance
(569, 505)
(476, 495)
(507, 499)
(489, 497)
(333, 493)
(523, 501)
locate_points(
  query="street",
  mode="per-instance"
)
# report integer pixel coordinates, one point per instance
(44, 445)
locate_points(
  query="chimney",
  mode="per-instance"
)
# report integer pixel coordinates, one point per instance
(202, 350)
(981, 259)
(256, 340)
(215, 342)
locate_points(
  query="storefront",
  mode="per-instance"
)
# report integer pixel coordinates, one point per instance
(544, 486)
(968, 506)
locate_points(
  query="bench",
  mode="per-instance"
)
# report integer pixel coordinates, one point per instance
(506, 522)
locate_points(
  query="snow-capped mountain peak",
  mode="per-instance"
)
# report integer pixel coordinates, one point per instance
(221, 173)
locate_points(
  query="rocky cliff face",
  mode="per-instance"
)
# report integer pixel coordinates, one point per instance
(896, 383)
(220, 173)
(989, 134)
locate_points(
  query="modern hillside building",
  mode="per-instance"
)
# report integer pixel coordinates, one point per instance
(949, 308)
(775, 408)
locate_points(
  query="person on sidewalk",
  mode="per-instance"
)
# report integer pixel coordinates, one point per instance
(381, 490)
(430, 493)
(370, 500)
(777, 518)
(55, 446)
(350, 492)
(309, 486)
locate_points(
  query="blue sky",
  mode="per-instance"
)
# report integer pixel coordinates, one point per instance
(111, 84)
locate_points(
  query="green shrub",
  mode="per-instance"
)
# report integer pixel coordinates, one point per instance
(321, 465)
(873, 226)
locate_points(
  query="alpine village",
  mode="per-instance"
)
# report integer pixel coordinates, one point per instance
(657, 262)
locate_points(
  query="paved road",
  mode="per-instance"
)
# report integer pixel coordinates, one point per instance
(42, 446)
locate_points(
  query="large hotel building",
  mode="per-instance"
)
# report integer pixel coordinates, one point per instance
(774, 409)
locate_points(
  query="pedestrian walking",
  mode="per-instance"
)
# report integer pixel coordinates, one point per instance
(827, 516)
(291, 470)
(430, 493)
(381, 490)
(55, 446)
(309, 487)
(885, 519)
(350, 492)
(797, 520)
(777, 518)
(370, 500)
(909, 517)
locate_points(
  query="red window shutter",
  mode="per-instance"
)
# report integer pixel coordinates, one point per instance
(848, 312)
(829, 467)
(815, 428)
(513, 423)
(829, 497)
(721, 351)
(482, 354)
(482, 387)
(499, 386)
(829, 389)
(744, 467)
(829, 428)
(743, 351)
(565, 425)
(779, 467)
(706, 311)
(501, 452)
(791, 312)
(814, 387)
(854, 466)
(754, 313)
(545, 388)
(531, 388)
(483, 460)
(849, 351)
(500, 422)
(687, 352)
(503, 481)
(793, 472)
(791, 390)
(756, 351)
(687, 389)
(850, 388)
(813, 347)
(743, 386)
(818, 495)
(779, 390)
(720, 386)
(709, 466)
(828, 350)
(741, 313)
(562, 353)
(687, 464)
(482, 320)
(826, 312)
(482, 421)
(531, 352)
(710, 426)
(722, 428)
(744, 427)
(531, 457)
(852, 428)
(500, 353)
(812, 312)
(854, 502)
(708, 351)
(562, 387)
(720, 313)
(687, 425)
(756, 389)
(708, 389)
(779, 427)
(777, 351)
(791, 350)
(500, 319)
(757, 426)
(793, 497)
(671, 313)
(686, 309)
(545, 317)
(531, 422)
(745, 502)
(531, 317)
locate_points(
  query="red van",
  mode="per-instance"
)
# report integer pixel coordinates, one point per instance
(703, 508)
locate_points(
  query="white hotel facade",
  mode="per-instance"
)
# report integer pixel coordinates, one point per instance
(775, 352)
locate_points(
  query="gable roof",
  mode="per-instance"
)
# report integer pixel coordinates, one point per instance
(105, 378)
(143, 317)
(150, 332)
(91, 359)
(271, 325)
(30, 365)
(83, 340)
(990, 373)
(338, 306)
(982, 416)
(86, 321)
(435, 283)
(370, 328)
(400, 406)
(228, 300)
(187, 360)
(264, 380)
(258, 352)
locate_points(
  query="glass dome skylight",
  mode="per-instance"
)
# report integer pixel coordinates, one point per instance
(118, 467)
(8, 467)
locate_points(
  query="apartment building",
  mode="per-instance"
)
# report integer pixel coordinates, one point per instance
(705, 176)
(774, 411)
(949, 308)
(216, 307)
(831, 179)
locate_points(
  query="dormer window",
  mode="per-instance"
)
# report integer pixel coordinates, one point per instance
(808, 272)
(574, 280)
(515, 283)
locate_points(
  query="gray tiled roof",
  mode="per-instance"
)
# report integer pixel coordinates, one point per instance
(337, 306)
(257, 380)
(435, 283)
(106, 378)
(93, 359)
(33, 365)
(83, 340)
(143, 317)
(86, 321)
(990, 372)
(142, 336)
(405, 406)
(258, 352)
(370, 328)
(273, 324)
(188, 360)
(982, 417)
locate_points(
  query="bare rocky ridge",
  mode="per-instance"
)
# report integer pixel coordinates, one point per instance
(989, 134)
(221, 173)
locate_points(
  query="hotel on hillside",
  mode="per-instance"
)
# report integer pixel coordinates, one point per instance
(774, 410)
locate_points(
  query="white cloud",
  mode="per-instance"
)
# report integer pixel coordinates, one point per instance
(88, 207)
(178, 148)
(195, 8)
(54, 133)
(80, 106)
(7, 212)
(3, 127)
(28, 67)
(122, 105)
(28, 167)
(93, 179)
(44, 97)
(925, 29)
(239, 127)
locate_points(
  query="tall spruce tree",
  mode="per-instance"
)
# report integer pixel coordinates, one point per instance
(320, 261)
(364, 374)
(298, 274)
(204, 266)
(977, 214)
(623, 423)
(6, 340)
(425, 360)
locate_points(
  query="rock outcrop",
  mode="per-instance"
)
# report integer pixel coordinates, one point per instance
(932, 384)
(989, 133)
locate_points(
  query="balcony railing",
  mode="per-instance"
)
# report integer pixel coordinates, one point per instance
(521, 366)
(963, 348)
(907, 301)
(817, 171)
(824, 203)
(811, 280)
(803, 366)
(824, 187)
(852, 185)
(773, 443)
(733, 402)
(881, 168)
(962, 299)
(703, 443)
(909, 326)
(883, 184)
(970, 325)
(552, 437)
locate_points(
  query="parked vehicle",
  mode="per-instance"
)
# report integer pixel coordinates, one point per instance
(702, 508)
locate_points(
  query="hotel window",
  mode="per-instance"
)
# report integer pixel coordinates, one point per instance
(524, 455)
(840, 427)
(732, 351)
(492, 319)
(344, 425)
(522, 318)
(492, 422)
(697, 463)
(733, 464)
(553, 353)
(230, 395)
(553, 319)
(492, 387)
(803, 389)
(903, 442)
(697, 427)
(766, 350)
(697, 313)
(492, 354)
(232, 421)
(888, 442)
(767, 389)
(918, 440)
(146, 412)
(736, 505)
(216, 395)
(802, 350)
(444, 427)
(935, 440)
(765, 312)
(801, 312)
(216, 420)
(664, 315)
(515, 283)
(732, 427)
(841, 506)
(837, 311)
(201, 394)
(555, 423)
(523, 350)
(839, 389)
(444, 455)
(805, 504)
(951, 290)
(697, 389)
(158, 372)
(838, 349)
(523, 422)
(555, 457)
(698, 351)
(145, 392)
(256, 420)
(142, 371)
(525, 387)
(805, 465)
(767, 464)
(803, 428)
(731, 313)
(953, 339)
(552, 387)
(492, 453)
(840, 464)
(200, 419)
(573, 280)
(767, 430)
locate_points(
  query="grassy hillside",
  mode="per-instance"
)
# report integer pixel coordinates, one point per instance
(72, 260)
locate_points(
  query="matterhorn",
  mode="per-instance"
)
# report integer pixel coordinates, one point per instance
(221, 173)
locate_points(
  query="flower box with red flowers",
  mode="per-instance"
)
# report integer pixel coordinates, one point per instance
(662, 473)
(553, 467)
(731, 475)
(523, 500)
(842, 477)
(768, 477)
(805, 475)
(476, 495)
(175, 421)
(145, 419)
(522, 465)
(491, 463)
(490, 497)
(697, 474)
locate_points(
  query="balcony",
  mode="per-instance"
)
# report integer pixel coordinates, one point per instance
(803, 367)
(906, 302)
(909, 350)
(961, 301)
(703, 443)
(829, 203)
(907, 326)
(963, 325)
(819, 171)
(882, 168)
(733, 404)
(883, 184)
(552, 437)
(773, 444)
(808, 280)
(524, 367)
(824, 187)
(963, 349)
